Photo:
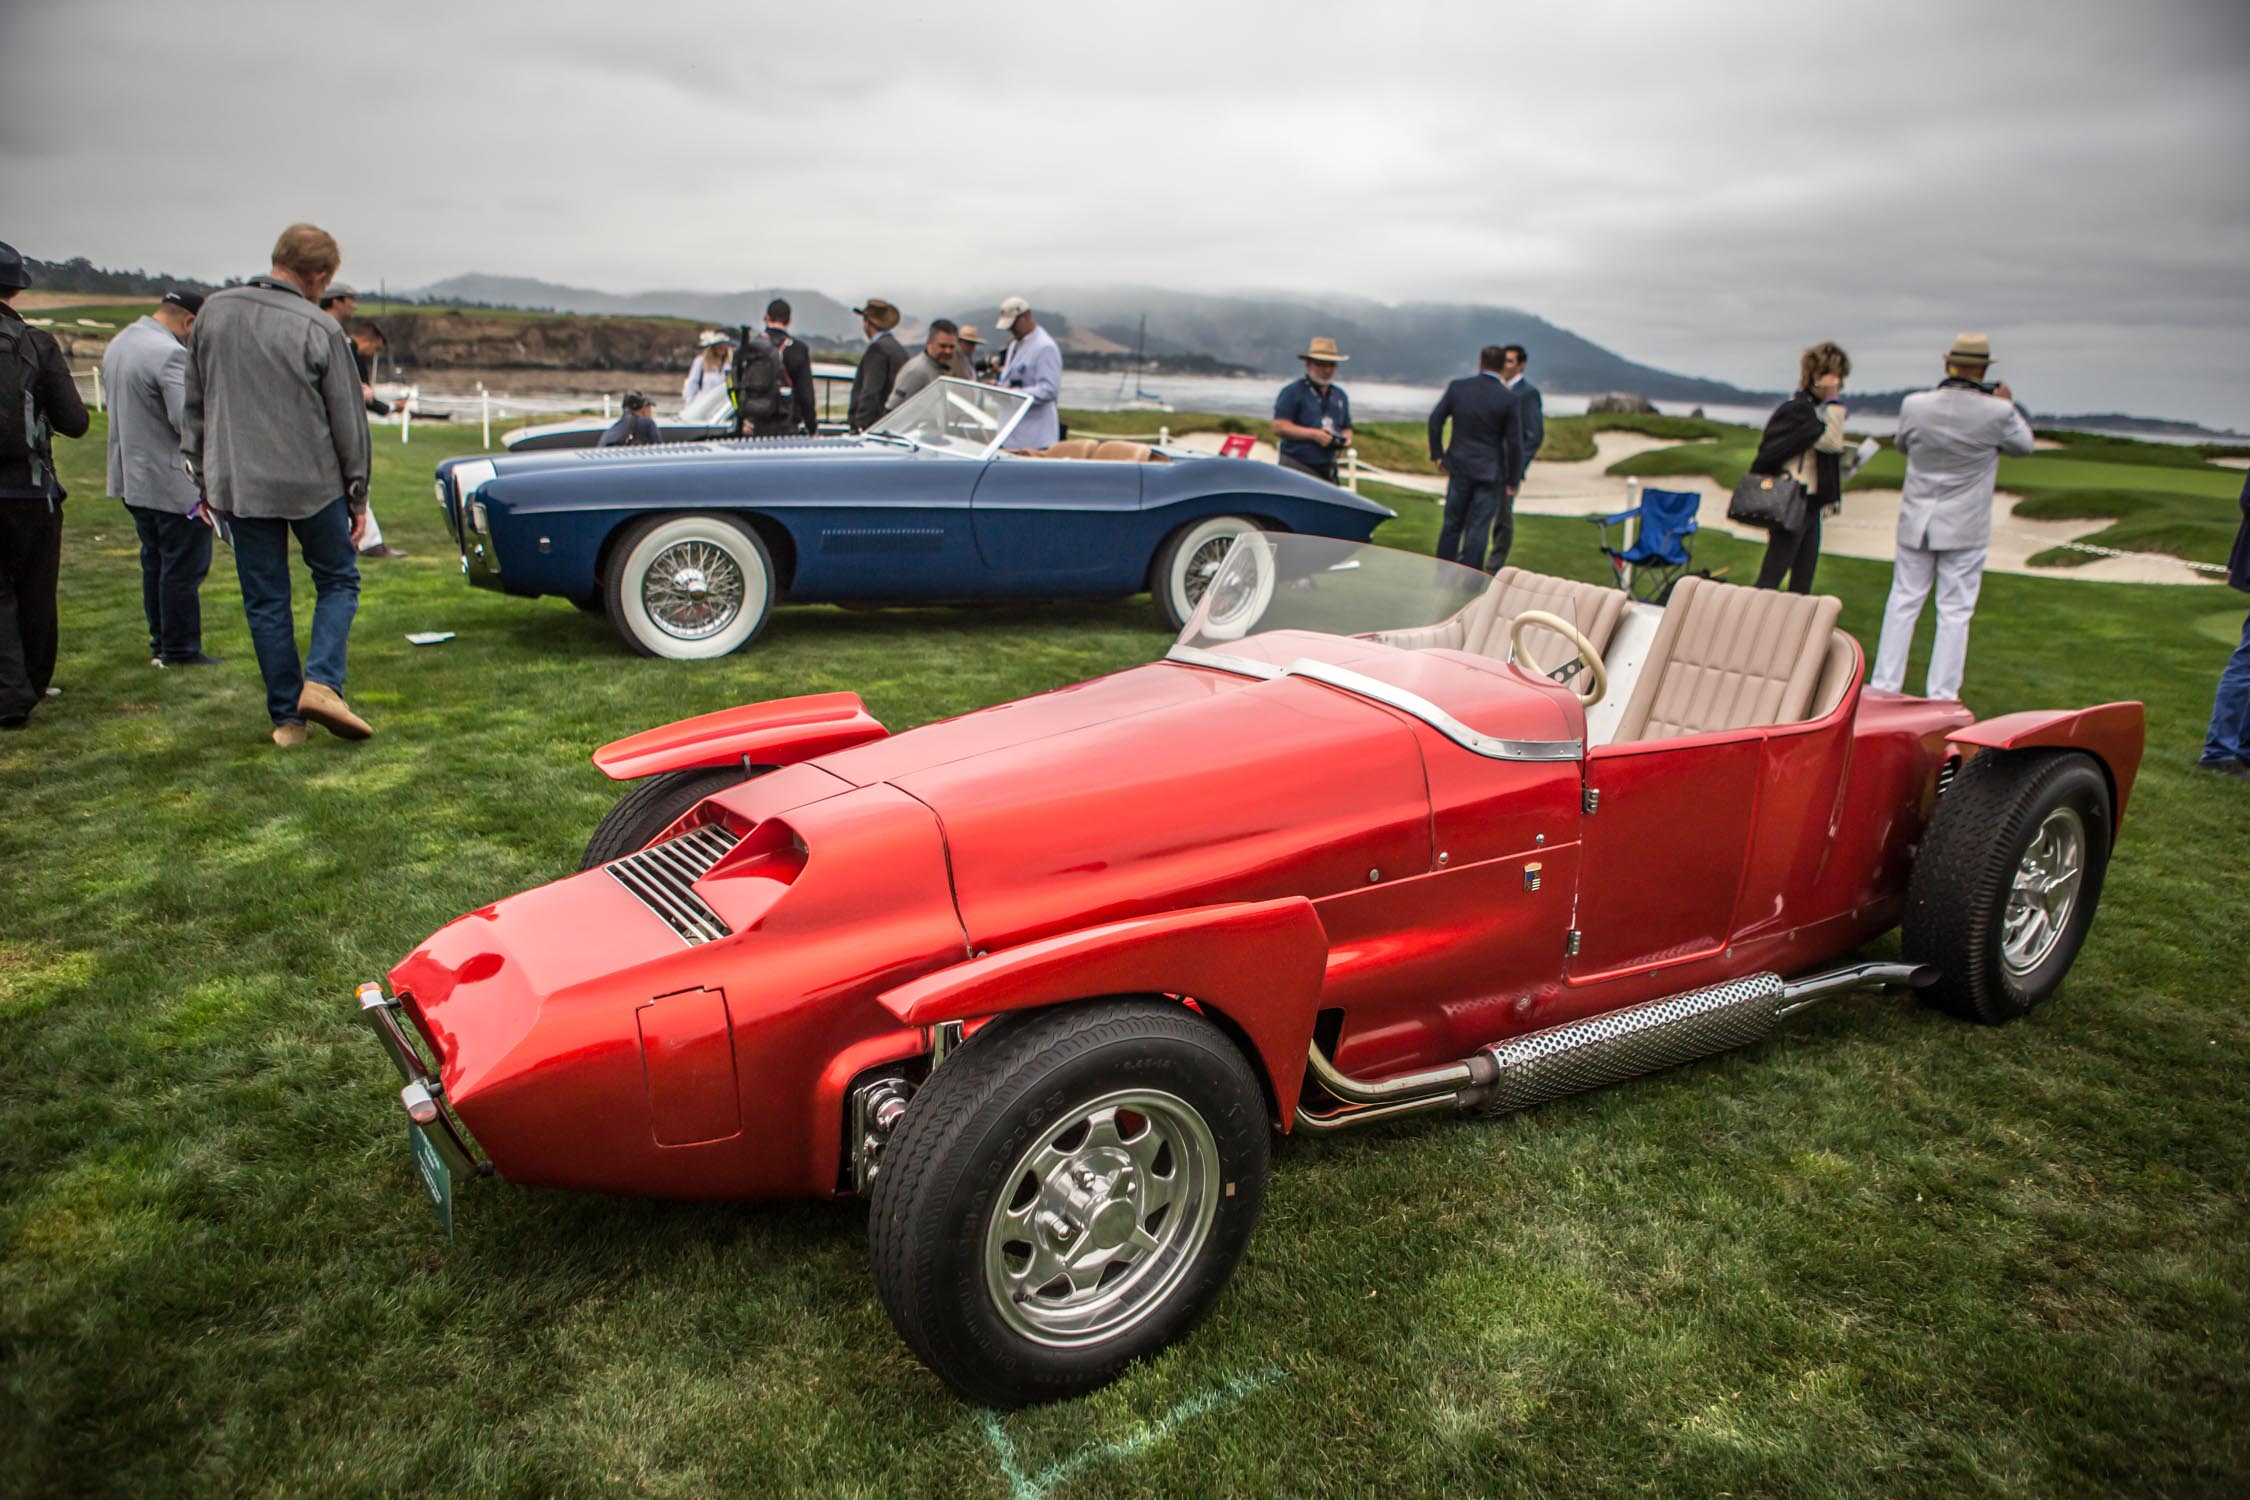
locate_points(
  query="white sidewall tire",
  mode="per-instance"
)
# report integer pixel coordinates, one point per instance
(628, 610)
(1179, 555)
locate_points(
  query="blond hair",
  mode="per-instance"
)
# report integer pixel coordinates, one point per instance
(307, 250)
(1823, 358)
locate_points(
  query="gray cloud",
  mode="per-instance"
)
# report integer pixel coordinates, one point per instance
(1703, 187)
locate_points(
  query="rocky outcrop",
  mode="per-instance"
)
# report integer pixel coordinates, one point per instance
(1620, 403)
(504, 341)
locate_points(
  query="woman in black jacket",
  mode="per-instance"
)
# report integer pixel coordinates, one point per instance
(1805, 437)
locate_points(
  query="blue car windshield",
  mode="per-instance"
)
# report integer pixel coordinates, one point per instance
(954, 416)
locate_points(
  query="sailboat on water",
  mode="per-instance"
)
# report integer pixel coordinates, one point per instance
(1138, 399)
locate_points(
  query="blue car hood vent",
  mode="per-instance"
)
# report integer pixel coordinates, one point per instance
(634, 452)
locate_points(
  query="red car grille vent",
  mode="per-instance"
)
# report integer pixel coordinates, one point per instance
(663, 878)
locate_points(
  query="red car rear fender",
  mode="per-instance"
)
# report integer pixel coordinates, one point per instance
(1257, 965)
(776, 733)
(2113, 733)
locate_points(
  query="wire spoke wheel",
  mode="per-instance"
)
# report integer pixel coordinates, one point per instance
(693, 590)
(1100, 1218)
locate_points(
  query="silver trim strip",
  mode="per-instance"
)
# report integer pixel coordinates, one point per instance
(1489, 746)
(1196, 656)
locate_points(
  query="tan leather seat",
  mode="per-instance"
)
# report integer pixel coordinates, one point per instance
(1483, 627)
(1068, 448)
(1729, 657)
(1118, 451)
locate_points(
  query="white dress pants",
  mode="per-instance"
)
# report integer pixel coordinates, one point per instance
(1959, 572)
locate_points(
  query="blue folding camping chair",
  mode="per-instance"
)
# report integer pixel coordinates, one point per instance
(1660, 553)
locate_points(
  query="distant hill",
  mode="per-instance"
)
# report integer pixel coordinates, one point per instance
(1417, 342)
(813, 314)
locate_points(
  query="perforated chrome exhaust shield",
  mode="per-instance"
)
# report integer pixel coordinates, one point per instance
(1626, 1043)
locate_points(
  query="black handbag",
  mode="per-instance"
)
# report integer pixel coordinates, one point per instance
(1771, 502)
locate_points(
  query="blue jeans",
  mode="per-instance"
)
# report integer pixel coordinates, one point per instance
(175, 556)
(261, 561)
(1471, 508)
(2230, 711)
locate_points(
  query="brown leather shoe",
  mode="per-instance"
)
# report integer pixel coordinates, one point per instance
(290, 735)
(325, 706)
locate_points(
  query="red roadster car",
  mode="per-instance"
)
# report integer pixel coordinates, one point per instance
(1378, 836)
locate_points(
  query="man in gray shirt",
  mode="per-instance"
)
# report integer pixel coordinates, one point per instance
(274, 430)
(1952, 438)
(933, 364)
(145, 369)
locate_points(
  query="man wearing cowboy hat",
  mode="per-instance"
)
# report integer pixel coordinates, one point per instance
(1952, 438)
(1034, 366)
(1313, 417)
(879, 366)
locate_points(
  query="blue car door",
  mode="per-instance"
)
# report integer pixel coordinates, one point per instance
(1069, 524)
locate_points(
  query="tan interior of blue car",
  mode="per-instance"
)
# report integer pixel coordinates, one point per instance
(1721, 656)
(1102, 450)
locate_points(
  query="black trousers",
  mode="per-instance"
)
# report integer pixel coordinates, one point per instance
(30, 564)
(175, 556)
(1793, 554)
(1474, 510)
(1328, 473)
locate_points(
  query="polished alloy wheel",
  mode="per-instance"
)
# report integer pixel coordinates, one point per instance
(693, 590)
(2044, 892)
(1101, 1217)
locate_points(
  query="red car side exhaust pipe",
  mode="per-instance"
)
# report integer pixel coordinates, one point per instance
(1562, 1060)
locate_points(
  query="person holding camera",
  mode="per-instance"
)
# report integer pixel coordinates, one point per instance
(1312, 417)
(1804, 438)
(1952, 437)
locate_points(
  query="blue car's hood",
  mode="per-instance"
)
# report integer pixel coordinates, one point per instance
(545, 460)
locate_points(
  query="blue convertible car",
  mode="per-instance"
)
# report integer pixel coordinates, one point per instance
(688, 546)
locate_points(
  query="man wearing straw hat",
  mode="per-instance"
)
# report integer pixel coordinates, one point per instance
(1952, 437)
(963, 365)
(1312, 417)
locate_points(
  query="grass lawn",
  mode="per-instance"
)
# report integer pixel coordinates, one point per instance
(1886, 1253)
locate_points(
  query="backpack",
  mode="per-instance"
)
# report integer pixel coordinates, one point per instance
(24, 434)
(755, 379)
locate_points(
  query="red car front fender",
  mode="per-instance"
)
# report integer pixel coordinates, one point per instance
(2113, 733)
(1258, 965)
(776, 733)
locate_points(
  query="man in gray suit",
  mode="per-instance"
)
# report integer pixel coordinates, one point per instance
(1482, 463)
(145, 369)
(1952, 438)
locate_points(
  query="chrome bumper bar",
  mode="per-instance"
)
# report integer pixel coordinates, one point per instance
(423, 1097)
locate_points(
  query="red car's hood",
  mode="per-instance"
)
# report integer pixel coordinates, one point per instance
(1160, 787)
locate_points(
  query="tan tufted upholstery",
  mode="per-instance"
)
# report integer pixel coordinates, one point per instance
(1727, 657)
(1483, 626)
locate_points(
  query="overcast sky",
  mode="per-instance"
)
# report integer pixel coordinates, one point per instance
(1704, 187)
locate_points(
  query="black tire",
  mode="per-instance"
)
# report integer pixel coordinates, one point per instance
(1175, 594)
(965, 1162)
(725, 553)
(2003, 811)
(651, 807)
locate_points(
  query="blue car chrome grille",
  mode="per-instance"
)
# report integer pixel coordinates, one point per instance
(663, 876)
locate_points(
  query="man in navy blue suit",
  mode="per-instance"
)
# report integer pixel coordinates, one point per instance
(1483, 462)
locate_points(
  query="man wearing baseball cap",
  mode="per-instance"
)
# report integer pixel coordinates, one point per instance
(879, 366)
(633, 427)
(1952, 437)
(145, 369)
(37, 397)
(1034, 366)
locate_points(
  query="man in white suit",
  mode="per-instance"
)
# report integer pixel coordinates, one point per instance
(1952, 437)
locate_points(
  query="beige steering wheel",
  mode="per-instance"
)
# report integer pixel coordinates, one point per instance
(1562, 627)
